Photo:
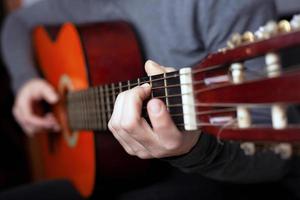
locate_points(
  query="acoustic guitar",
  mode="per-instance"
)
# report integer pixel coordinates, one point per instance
(91, 64)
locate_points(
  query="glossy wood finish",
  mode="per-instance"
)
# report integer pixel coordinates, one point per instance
(284, 89)
(55, 58)
(264, 91)
(89, 55)
(112, 55)
(248, 51)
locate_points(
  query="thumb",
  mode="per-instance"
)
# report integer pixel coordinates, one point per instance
(161, 120)
(49, 94)
(152, 68)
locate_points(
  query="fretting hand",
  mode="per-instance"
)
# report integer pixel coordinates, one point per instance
(135, 134)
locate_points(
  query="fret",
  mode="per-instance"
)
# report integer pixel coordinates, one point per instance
(88, 109)
(83, 109)
(120, 87)
(177, 111)
(113, 92)
(124, 86)
(166, 91)
(133, 84)
(94, 108)
(138, 82)
(128, 83)
(108, 102)
(150, 82)
(103, 108)
(158, 87)
(98, 109)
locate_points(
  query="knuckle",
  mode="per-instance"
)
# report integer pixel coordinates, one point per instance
(113, 125)
(110, 126)
(143, 155)
(129, 125)
(157, 154)
(129, 151)
(172, 145)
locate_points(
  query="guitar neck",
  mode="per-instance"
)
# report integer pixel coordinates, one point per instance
(92, 108)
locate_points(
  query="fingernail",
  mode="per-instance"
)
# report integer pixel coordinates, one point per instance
(155, 107)
(145, 85)
(53, 98)
(153, 63)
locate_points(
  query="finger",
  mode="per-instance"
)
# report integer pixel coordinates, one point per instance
(46, 91)
(55, 125)
(152, 68)
(170, 69)
(162, 123)
(28, 115)
(130, 121)
(114, 122)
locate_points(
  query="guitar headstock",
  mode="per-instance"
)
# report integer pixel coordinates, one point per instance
(250, 90)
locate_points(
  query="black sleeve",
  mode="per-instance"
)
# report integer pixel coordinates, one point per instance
(225, 160)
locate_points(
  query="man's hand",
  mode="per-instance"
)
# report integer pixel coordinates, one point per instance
(135, 134)
(35, 90)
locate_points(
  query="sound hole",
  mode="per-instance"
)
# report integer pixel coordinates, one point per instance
(65, 86)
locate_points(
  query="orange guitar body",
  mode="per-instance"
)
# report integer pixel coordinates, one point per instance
(90, 55)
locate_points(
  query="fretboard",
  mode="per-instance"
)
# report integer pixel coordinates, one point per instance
(91, 109)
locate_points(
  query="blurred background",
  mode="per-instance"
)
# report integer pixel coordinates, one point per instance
(13, 167)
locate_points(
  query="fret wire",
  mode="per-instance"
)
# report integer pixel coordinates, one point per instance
(128, 82)
(90, 111)
(150, 82)
(98, 108)
(114, 92)
(120, 87)
(103, 108)
(87, 96)
(139, 82)
(108, 103)
(94, 117)
(166, 92)
(82, 109)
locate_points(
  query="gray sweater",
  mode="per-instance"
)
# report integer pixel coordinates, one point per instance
(174, 33)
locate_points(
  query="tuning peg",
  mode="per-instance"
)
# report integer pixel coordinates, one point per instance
(248, 37)
(267, 31)
(235, 40)
(295, 22)
(284, 26)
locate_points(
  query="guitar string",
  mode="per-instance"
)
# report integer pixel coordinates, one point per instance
(170, 95)
(117, 89)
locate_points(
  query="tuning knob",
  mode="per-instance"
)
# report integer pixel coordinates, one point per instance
(284, 26)
(235, 40)
(295, 22)
(267, 31)
(248, 37)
